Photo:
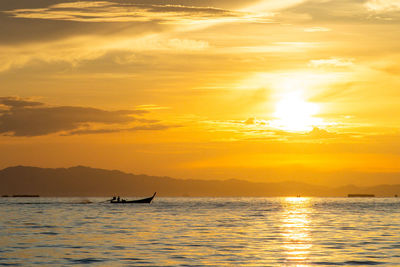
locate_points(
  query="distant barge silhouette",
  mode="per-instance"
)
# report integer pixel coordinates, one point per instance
(360, 195)
(20, 196)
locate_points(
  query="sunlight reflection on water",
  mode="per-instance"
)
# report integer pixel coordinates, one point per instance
(295, 228)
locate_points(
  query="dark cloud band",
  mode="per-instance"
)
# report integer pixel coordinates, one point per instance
(22, 117)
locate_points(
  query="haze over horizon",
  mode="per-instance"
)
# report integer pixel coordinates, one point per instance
(263, 91)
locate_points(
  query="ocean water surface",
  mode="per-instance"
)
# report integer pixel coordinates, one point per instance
(200, 232)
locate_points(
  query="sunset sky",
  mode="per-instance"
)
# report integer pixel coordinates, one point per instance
(213, 89)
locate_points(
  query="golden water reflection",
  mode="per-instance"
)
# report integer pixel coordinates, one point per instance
(295, 223)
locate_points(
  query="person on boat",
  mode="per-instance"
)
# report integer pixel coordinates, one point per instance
(113, 198)
(118, 199)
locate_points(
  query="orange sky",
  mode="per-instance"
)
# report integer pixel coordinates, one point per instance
(256, 90)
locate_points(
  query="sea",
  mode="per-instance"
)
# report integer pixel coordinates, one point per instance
(286, 231)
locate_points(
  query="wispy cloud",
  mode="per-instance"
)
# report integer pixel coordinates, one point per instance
(104, 11)
(383, 5)
(150, 107)
(76, 49)
(317, 29)
(151, 127)
(253, 129)
(273, 5)
(83, 4)
(331, 62)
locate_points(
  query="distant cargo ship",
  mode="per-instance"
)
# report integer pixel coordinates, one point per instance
(360, 195)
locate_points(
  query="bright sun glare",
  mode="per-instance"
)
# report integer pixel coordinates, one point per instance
(293, 113)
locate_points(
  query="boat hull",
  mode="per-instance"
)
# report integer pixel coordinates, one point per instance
(138, 201)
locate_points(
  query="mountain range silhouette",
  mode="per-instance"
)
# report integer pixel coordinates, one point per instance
(86, 181)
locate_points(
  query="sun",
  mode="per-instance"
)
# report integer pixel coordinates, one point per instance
(293, 113)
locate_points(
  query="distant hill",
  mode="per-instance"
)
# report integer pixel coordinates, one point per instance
(86, 181)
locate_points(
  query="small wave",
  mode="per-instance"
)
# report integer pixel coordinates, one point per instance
(49, 233)
(10, 264)
(178, 257)
(86, 260)
(346, 263)
(118, 247)
(31, 203)
(35, 226)
(363, 263)
(138, 262)
(131, 259)
(82, 201)
(327, 263)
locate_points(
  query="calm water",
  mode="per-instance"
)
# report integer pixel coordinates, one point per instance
(200, 232)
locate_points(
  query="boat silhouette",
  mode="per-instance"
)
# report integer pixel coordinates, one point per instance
(123, 201)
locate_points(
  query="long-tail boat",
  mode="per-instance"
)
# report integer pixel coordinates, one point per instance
(123, 201)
